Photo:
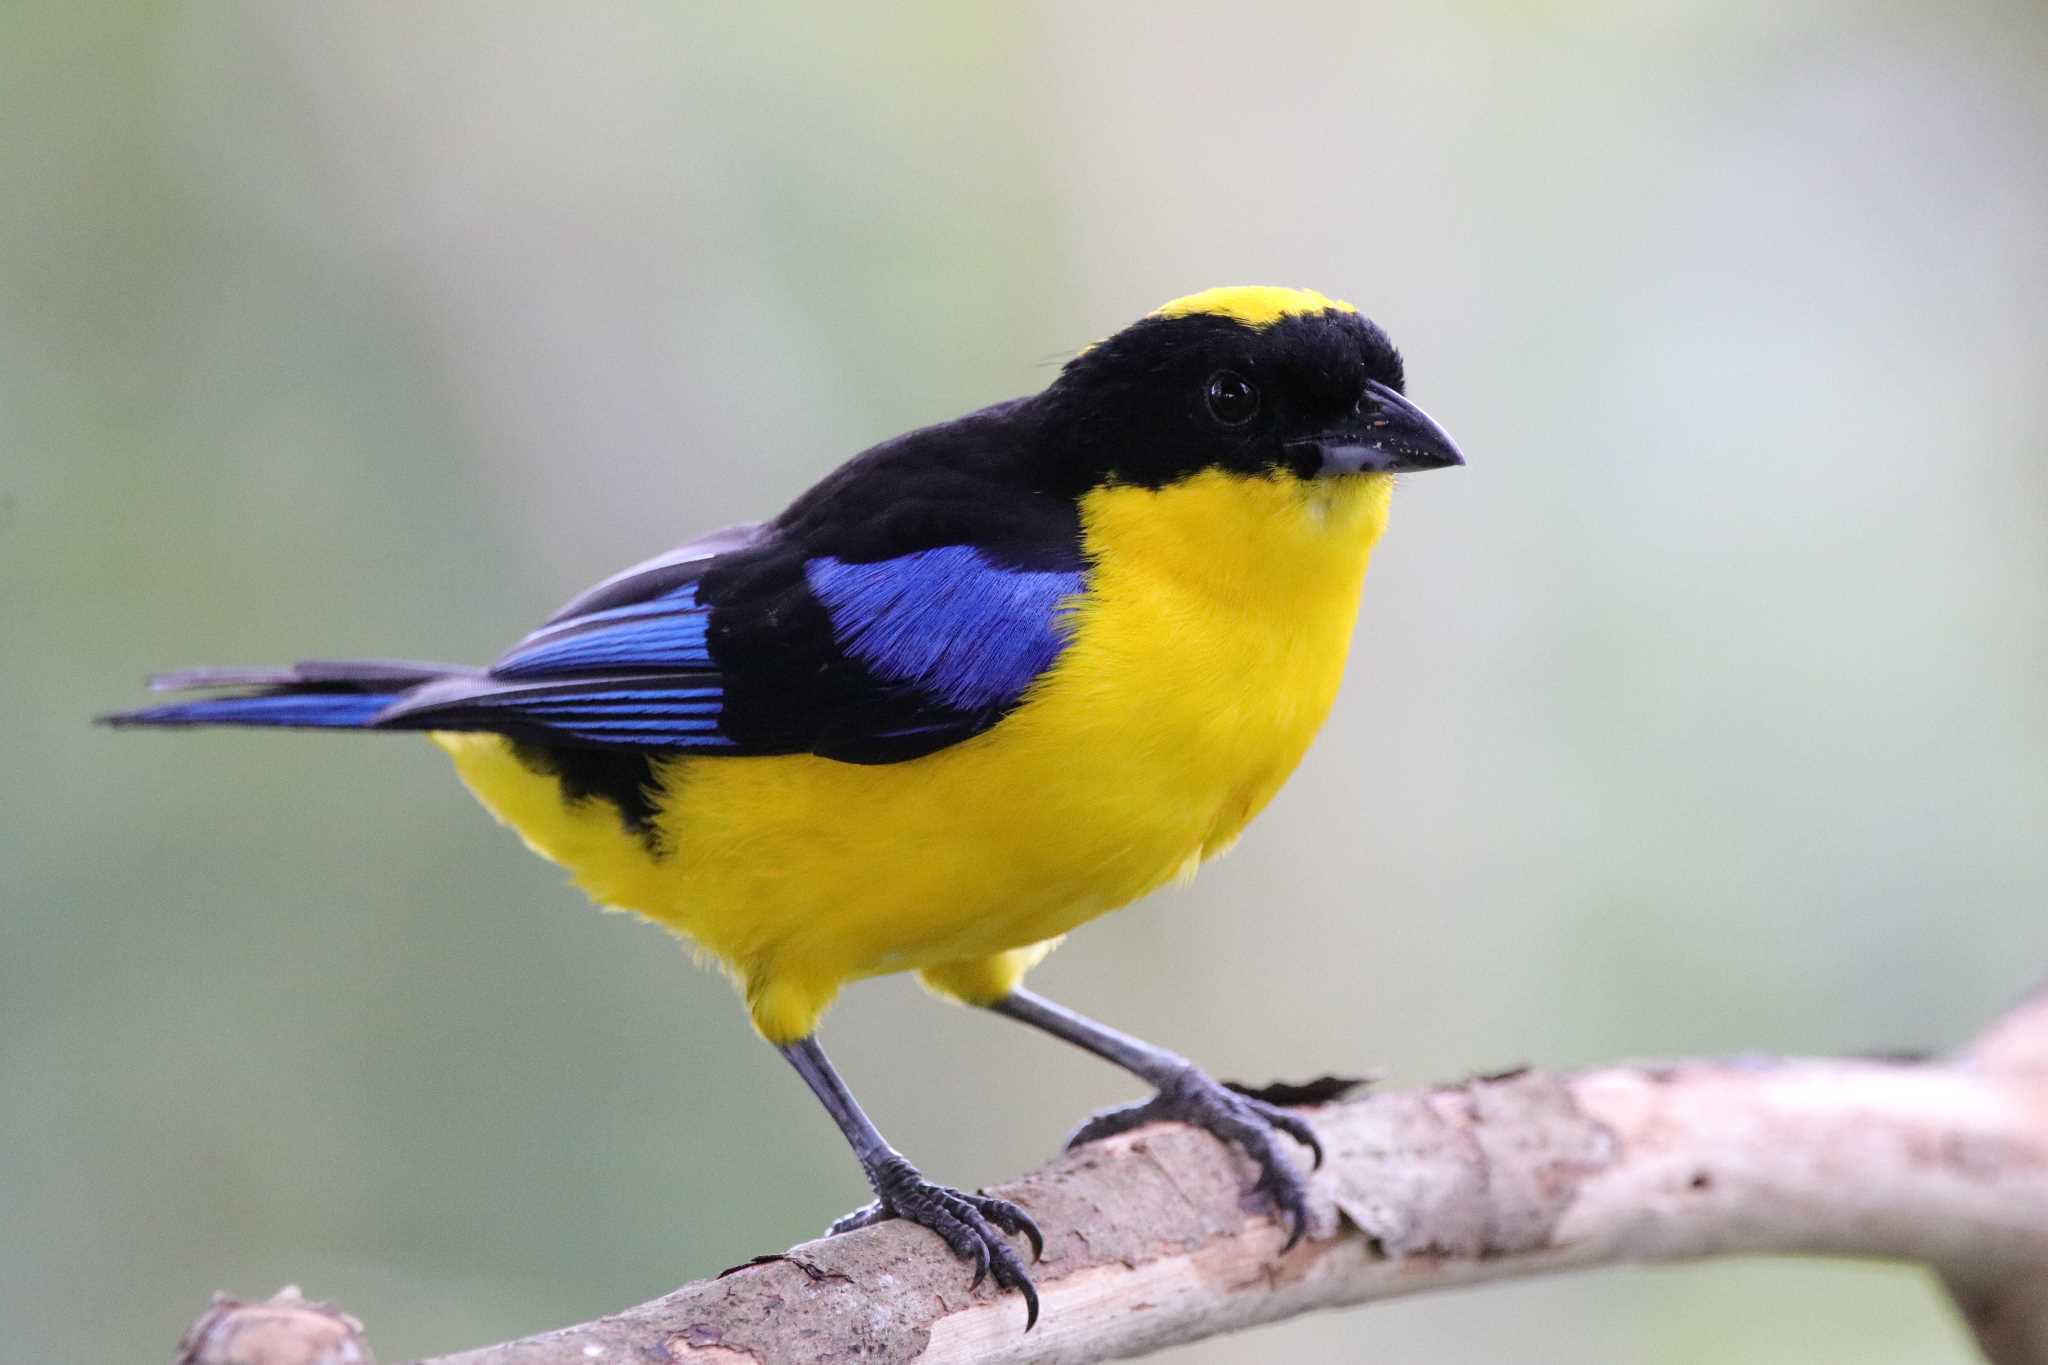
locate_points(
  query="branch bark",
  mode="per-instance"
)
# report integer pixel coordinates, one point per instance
(1151, 1239)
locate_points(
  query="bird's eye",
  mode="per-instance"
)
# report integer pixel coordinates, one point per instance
(1233, 399)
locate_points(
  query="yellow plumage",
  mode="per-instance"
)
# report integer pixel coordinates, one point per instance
(1204, 655)
(1254, 305)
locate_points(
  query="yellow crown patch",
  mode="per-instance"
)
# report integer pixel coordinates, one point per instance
(1254, 305)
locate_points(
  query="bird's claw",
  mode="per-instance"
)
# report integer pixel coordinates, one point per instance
(1192, 1098)
(966, 1222)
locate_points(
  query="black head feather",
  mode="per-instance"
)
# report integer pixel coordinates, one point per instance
(1136, 408)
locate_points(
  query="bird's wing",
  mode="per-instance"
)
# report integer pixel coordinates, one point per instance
(650, 578)
(748, 643)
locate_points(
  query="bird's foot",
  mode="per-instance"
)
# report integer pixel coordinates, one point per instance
(965, 1222)
(1189, 1096)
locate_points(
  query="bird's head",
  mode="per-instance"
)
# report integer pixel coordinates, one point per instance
(1251, 381)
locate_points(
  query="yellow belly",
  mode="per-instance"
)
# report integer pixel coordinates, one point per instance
(1203, 658)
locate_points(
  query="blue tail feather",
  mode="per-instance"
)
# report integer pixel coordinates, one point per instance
(323, 710)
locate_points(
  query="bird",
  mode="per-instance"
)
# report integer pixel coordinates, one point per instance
(982, 683)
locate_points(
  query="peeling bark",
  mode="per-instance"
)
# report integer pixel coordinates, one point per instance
(1152, 1238)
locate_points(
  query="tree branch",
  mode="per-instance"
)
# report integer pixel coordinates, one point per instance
(1152, 1240)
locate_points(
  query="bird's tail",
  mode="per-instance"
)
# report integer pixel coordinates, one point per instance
(319, 694)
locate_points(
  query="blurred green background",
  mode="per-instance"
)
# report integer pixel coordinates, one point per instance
(1703, 713)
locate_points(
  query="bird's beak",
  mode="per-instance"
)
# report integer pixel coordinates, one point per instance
(1387, 434)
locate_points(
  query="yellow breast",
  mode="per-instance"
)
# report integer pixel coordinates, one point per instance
(1203, 657)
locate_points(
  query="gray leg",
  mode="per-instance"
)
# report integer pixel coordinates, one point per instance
(963, 1221)
(1186, 1094)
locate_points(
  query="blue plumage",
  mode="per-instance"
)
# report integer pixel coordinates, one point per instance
(614, 674)
(618, 713)
(665, 632)
(949, 621)
(308, 710)
(963, 631)
(907, 654)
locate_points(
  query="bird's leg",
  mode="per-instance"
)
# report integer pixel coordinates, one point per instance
(1186, 1094)
(966, 1222)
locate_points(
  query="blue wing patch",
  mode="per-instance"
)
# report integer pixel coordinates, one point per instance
(956, 636)
(964, 630)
